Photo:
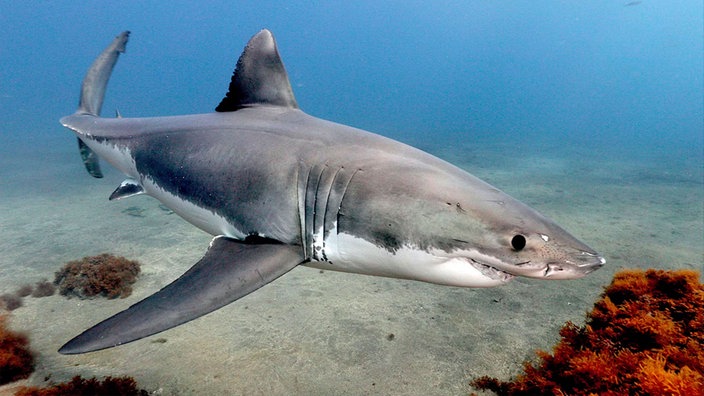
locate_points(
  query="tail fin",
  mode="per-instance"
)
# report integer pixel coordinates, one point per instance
(93, 91)
(96, 80)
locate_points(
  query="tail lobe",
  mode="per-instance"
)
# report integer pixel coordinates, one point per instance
(93, 92)
(96, 79)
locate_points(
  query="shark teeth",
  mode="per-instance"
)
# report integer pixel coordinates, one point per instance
(491, 272)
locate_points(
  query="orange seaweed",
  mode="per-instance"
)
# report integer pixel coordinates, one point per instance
(78, 386)
(16, 360)
(644, 336)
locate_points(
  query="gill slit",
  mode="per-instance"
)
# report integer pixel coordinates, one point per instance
(342, 198)
(327, 204)
(301, 192)
(314, 211)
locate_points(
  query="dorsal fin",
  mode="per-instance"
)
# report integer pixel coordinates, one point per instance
(260, 77)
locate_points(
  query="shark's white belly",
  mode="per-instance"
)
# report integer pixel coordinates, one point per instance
(347, 253)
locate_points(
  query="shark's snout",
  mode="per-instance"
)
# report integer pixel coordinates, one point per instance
(577, 266)
(590, 260)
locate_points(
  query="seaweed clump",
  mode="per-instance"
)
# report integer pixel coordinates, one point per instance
(24, 291)
(43, 288)
(103, 275)
(10, 302)
(78, 386)
(644, 336)
(16, 360)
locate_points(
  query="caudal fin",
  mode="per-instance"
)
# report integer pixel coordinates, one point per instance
(96, 79)
(93, 92)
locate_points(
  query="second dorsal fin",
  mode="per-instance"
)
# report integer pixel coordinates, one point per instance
(260, 77)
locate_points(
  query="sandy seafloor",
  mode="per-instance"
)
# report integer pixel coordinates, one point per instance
(326, 333)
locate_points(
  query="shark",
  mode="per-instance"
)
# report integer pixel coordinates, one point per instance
(278, 188)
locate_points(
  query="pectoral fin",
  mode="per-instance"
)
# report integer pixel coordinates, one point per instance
(229, 270)
(127, 188)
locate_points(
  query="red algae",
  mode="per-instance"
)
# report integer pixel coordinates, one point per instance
(43, 288)
(16, 360)
(78, 386)
(10, 302)
(104, 275)
(644, 336)
(17, 363)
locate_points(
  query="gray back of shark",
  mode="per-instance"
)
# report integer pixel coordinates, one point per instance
(278, 188)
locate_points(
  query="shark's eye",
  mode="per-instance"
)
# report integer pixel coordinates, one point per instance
(518, 242)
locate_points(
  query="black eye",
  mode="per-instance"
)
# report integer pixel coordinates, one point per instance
(518, 242)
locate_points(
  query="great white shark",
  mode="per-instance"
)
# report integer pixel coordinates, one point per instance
(279, 188)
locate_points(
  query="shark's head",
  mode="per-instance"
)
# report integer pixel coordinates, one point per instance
(520, 241)
(467, 232)
(502, 233)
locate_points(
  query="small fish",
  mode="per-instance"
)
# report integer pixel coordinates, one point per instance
(134, 211)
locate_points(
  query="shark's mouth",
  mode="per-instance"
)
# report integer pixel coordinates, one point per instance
(491, 272)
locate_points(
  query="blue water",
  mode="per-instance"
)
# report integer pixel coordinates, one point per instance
(598, 72)
(591, 111)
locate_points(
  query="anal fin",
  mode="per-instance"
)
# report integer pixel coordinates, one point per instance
(229, 270)
(90, 160)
